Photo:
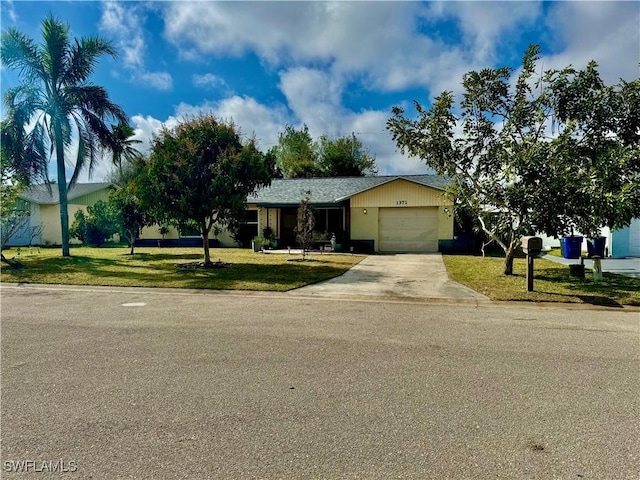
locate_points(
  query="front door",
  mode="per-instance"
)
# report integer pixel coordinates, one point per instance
(288, 221)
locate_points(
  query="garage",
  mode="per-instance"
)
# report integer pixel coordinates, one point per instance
(407, 229)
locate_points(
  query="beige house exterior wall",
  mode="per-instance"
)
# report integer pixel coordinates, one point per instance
(50, 218)
(397, 194)
(154, 232)
(49, 215)
(400, 193)
(445, 223)
(364, 226)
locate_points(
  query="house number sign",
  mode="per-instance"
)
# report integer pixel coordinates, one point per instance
(401, 202)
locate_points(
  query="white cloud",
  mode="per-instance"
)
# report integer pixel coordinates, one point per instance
(484, 24)
(209, 80)
(251, 117)
(126, 25)
(389, 45)
(9, 8)
(378, 40)
(314, 97)
(265, 123)
(606, 32)
(158, 80)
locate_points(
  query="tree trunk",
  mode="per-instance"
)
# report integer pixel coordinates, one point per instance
(62, 190)
(13, 264)
(132, 241)
(508, 260)
(205, 243)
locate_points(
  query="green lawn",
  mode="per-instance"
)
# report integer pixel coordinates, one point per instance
(552, 282)
(157, 267)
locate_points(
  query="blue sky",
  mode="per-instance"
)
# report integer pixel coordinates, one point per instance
(338, 67)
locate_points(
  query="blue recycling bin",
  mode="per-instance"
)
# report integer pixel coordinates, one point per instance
(571, 247)
(595, 246)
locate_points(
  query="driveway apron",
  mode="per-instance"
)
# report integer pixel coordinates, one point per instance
(394, 275)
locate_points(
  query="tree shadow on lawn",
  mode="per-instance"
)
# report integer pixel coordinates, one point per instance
(602, 293)
(162, 257)
(165, 273)
(278, 277)
(599, 300)
(79, 269)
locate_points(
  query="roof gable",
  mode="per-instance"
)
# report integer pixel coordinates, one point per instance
(48, 195)
(334, 190)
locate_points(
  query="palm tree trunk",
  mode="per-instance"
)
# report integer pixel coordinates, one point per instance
(62, 191)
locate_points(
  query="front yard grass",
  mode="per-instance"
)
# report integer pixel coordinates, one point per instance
(552, 282)
(157, 267)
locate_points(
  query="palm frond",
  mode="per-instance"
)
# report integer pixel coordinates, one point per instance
(20, 52)
(55, 53)
(95, 99)
(83, 58)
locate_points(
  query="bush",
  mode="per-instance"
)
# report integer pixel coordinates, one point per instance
(95, 227)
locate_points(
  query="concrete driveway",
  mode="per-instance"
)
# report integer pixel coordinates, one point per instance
(395, 275)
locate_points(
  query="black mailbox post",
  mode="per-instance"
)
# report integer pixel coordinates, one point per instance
(531, 246)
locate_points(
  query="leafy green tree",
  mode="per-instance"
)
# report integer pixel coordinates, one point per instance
(512, 170)
(57, 101)
(201, 173)
(296, 154)
(20, 165)
(305, 224)
(299, 156)
(14, 216)
(96, 226)
(599, 142)
(128, 213)
(345, 157)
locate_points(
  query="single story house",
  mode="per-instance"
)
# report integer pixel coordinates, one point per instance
(43, 205)
(399, 213)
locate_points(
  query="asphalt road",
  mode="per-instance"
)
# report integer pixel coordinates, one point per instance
(130, 383)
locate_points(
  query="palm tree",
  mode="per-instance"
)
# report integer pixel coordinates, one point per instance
(124, 145)
(57, 100)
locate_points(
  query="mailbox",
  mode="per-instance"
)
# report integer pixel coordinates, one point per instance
(531, 245)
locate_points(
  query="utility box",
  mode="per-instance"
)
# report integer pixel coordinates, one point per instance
(531, 246)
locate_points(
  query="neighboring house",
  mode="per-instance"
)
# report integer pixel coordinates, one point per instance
(403, 213)
(626, 241)
(44, 208)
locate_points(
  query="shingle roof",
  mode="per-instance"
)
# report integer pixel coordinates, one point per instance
(333, 191)
(40, 194)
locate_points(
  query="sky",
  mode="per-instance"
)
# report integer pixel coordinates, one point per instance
(338, 67)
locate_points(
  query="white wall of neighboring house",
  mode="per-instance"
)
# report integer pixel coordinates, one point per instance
(23, 236)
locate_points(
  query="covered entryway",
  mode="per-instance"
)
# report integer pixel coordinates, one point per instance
(408, 229)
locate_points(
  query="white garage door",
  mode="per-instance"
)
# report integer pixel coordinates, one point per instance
(408, 229)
